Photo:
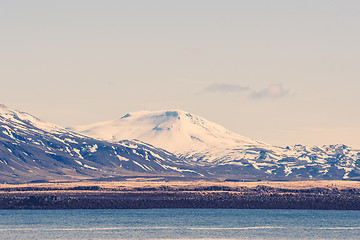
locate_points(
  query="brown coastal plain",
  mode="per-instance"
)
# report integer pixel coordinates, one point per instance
(158, 193)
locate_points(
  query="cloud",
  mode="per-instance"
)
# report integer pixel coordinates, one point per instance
(225, 88)
(272, 91)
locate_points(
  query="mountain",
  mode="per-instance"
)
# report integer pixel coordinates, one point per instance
(176, 131)
(200, 142)
(35, 150)
(32, 150)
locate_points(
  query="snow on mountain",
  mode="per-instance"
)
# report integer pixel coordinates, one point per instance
(32, 150)
(204, 143)
(22, 119)
(176, 131)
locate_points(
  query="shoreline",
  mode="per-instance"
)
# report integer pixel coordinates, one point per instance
(319, 195)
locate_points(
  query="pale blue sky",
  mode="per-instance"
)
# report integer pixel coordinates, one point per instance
(283, 72)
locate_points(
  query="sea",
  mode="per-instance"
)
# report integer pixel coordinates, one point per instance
(179, 224)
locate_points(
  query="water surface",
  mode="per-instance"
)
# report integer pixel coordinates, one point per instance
(179, 224)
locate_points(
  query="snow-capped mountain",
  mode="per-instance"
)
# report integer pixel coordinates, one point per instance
(33, 150)
(177, 131)
(203, 143)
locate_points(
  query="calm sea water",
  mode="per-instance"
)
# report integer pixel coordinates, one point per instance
(179, 224)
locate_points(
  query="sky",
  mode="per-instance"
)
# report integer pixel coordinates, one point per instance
(283, 72)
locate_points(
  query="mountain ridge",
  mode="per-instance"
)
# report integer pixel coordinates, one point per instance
(173, 130)
(35, 150)
(208, 144)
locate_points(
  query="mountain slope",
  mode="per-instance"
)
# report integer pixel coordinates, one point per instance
(202, 143)
(33, 150)
(176, 131)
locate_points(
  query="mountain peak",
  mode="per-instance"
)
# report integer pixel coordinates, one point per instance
(173, 130)
(167, 113)
(19, 118)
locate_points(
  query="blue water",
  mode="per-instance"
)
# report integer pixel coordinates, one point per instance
(179, 224)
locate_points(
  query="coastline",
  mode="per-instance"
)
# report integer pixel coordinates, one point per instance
(142, 194)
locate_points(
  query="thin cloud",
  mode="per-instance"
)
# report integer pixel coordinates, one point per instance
(225, 88)
(273, 91)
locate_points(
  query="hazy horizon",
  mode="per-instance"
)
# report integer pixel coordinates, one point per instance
(282, 72)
